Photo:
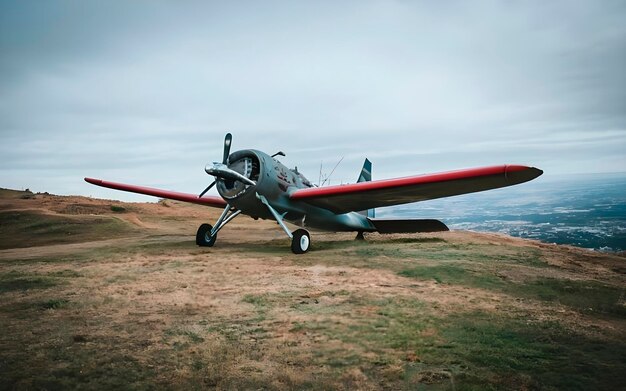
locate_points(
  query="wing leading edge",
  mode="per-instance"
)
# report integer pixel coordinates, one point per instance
(368, 195)
(213, 201)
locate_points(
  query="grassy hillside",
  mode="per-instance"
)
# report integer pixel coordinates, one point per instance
(455, 310)
(33, 228)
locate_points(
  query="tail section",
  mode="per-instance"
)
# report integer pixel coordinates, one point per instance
(366, 172)
(366, 176)
(388, 226)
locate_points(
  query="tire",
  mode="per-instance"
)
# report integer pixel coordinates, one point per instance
(301, 241)
(203, 236)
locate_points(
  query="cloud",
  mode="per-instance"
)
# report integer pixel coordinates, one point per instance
(144, 91)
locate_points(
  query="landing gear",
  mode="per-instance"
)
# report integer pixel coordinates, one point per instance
(300, 238)
(204, 237)
(359, 236)
(300, 241)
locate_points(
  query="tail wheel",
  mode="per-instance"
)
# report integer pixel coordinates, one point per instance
(203, 236)
(300, 242)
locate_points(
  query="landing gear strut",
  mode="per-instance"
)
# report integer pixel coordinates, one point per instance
(207, 234)
(300, 238)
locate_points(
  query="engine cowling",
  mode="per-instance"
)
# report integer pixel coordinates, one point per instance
(272, 179)
(245, 163)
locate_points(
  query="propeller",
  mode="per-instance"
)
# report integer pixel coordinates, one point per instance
(207, 189)
(227, 141)
(221, 170)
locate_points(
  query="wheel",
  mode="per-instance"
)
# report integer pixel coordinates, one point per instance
(203, 236)
(300, 242)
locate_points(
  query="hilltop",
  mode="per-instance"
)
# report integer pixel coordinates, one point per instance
(105, 294)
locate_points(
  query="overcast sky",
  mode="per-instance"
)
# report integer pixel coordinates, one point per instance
(144, 91)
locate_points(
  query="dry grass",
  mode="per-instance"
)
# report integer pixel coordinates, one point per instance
(451, 311)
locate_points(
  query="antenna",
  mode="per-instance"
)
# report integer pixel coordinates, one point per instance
(320, 180)
(331, 173)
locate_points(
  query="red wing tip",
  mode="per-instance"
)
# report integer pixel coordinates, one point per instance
(93, 181)
(529, 173)
(515, 167)
(518, 167)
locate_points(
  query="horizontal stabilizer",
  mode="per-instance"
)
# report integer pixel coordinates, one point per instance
(392, 226)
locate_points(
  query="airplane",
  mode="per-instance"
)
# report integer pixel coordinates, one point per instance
(258, 185)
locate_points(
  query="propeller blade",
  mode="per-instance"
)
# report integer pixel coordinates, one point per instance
(227, 141)
(207, 189)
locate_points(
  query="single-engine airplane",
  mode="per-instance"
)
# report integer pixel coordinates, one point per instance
(258, 185)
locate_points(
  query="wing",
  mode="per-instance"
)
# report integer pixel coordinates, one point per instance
(213, 201)
(368, 195)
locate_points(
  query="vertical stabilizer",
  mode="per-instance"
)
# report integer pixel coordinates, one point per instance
(366, 176)
(366, 172)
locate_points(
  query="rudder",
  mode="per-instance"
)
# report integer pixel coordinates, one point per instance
(366, 172)
(366, 176)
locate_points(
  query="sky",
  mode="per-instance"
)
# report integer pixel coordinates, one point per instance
(143, 92)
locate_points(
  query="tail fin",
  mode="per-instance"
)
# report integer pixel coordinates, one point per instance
(366, 176)
(366, 172)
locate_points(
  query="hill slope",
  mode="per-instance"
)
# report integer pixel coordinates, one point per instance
(98, 293)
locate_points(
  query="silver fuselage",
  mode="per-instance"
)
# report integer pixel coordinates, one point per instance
(276, 182)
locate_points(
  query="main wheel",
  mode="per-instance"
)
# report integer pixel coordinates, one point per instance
(300, 242)
(203, 236)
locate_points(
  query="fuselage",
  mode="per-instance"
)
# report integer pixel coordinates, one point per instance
(276, 182)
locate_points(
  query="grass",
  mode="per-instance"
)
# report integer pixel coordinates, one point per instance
(397, 253)
(17, 281)
(160, 313)
(477, 265)
(192, 336)
(544, 355)
(453, 274)
(54, 304)
(118, 209)
(468, 347)
(259, 301)
(15, 194)
(582, 295)
(66, 273)
(261, 305)
(400, 342)
(27, 229)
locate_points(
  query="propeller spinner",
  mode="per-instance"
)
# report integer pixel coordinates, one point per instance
(221, 170)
